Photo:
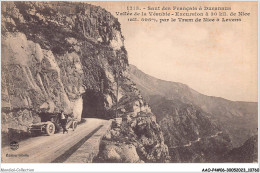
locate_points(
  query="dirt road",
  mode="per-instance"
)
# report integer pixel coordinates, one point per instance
(45, 149)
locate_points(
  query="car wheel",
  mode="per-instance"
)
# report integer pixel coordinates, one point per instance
(74, 125)
(50, 129)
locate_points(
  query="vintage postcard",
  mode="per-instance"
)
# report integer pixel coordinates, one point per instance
(130, 82)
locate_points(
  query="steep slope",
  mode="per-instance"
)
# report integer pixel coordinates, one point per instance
(135, 136)
(247, 153)
(239, 119)
(189, 132)
(66, 56)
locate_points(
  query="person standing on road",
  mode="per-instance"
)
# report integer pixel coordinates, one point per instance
(63, 122)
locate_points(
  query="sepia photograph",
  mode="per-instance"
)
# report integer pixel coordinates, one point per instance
(130, 82)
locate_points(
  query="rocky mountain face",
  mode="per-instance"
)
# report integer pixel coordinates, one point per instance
(247, 153)
(53, 60)
(135, 136)
(196, 128)
(189, 132)
(71, 56)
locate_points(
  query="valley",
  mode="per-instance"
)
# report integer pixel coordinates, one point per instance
(194, 124)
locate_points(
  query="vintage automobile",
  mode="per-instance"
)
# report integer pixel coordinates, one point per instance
(50, 124)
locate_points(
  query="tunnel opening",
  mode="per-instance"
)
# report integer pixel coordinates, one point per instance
(93, 105)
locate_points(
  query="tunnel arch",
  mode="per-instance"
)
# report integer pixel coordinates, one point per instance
(93, 105)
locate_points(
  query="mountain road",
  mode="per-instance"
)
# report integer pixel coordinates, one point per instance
(46, 149)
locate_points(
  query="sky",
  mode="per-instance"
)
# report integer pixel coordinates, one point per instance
(215, 59)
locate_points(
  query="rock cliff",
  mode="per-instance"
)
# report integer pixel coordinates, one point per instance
(55, 59)
(71, 56)
(136, 135)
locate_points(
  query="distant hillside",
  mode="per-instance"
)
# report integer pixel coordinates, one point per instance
(247, 153)
(239, 119)
(189, 132)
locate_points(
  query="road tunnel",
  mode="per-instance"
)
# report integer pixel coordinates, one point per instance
(93, 105)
